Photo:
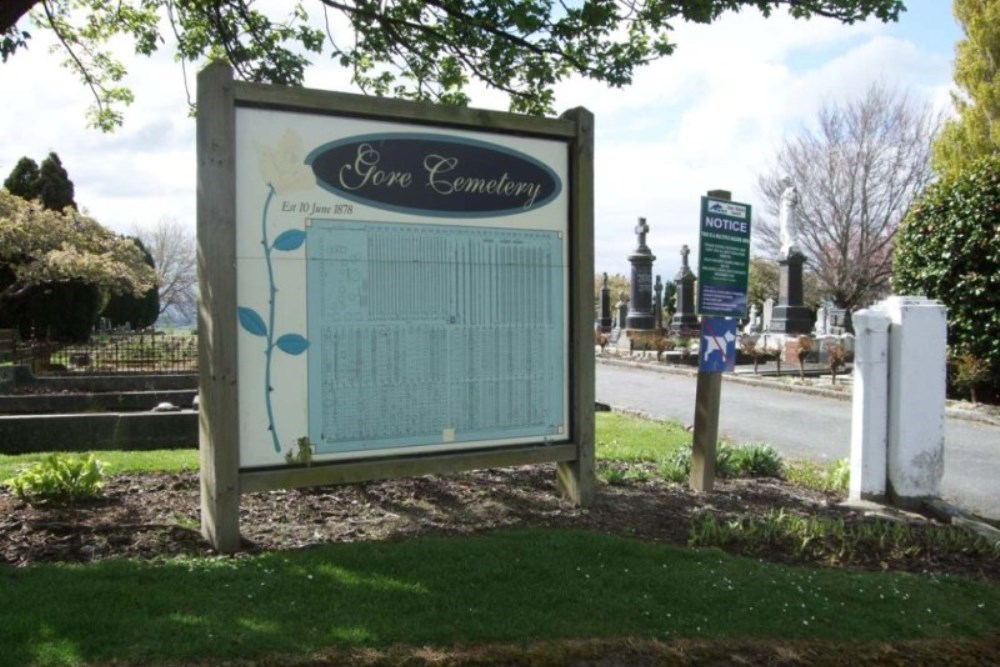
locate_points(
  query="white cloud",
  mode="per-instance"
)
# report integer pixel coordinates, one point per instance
(137, 175)
(715, 114)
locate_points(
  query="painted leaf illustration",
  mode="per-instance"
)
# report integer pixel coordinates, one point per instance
(251, 321)
(292, 344)
(290, 240)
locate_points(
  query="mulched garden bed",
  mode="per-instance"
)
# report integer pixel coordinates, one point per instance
(156, 515)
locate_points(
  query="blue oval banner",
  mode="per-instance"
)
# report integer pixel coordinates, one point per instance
(433, 174)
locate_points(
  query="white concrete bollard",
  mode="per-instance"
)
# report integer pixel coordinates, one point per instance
(870, 406)
(917, 377)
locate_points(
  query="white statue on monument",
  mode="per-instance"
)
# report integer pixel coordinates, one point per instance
(788, 220)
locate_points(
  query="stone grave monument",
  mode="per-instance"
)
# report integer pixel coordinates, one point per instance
(621, 311)
(768, 314)
(658, 304)
(640, 313)
(685, 318)
(604, 322)
(790, 315)
(753, 322)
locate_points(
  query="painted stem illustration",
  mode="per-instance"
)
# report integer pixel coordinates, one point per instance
(253, 323)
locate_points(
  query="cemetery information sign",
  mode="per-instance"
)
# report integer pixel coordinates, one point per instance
(400, 288)
(723, 258)
(388, 288)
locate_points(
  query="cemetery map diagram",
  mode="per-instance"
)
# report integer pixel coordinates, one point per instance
(430, 334)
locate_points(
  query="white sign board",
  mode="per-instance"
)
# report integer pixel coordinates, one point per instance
(401, 288)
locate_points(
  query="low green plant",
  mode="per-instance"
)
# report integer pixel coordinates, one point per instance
(968, 372)
(831, 478)
(756, 459)
(637, 474)
(676, 468)
(613, 475)
(838, 476)
(725, 461)
(60, 478)
(304, 454)
(834, 540)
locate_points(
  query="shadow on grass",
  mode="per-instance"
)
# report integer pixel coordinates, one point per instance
(502, 587)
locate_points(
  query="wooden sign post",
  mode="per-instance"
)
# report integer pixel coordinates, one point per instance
(723, 258)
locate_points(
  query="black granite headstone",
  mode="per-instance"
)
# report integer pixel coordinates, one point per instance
(640, 313)
(790, 315)
(685, 318)
(604, 321)
(658, 304)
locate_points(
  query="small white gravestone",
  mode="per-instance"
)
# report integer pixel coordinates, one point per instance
(821, 328)
(847, 341)
(753, 325)
(768, 311)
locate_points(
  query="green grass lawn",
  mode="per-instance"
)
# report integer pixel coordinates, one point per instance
(508, 586)
(627, 439)
(504, 587)
(115, 462)
(618, 438)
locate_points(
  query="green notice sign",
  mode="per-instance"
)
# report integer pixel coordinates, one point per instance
(723, 258)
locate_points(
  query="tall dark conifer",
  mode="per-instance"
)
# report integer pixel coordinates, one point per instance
(55, 189)
(23, 180)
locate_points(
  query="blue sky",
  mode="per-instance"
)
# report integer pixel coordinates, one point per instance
(713, 115)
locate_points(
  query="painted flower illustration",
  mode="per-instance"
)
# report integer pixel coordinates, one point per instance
(283, 165)
(255, 324)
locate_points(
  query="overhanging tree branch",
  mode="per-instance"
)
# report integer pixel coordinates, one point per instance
(411, 48)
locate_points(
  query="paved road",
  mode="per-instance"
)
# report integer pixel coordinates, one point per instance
(806, 427)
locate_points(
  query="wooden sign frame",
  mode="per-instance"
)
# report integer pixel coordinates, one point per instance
(222, 479)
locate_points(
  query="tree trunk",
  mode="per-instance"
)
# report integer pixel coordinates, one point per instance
(848, 319)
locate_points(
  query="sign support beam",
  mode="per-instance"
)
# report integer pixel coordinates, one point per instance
(218, 416)
(576, 479)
